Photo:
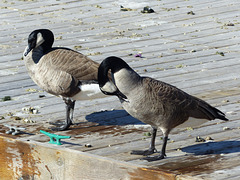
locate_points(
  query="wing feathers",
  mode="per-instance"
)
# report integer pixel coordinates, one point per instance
(209, 111)
(182, 102)
(78, 65)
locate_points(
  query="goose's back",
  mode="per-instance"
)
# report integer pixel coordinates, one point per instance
(74, 63)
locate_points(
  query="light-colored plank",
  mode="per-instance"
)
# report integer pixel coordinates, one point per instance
(168, 40)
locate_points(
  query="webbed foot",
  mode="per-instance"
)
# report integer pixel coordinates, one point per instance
(62, 126)
(144, 153)
(154, 158)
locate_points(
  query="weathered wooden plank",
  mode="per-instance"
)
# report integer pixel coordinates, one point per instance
(177, 140)
(166, 39)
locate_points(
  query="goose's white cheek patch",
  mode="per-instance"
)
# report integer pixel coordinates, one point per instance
(40, 39)
(109, 87)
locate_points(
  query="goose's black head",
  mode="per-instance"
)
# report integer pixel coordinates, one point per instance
(114, 64)
(40, 37)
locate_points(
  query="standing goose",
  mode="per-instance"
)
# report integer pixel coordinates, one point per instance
(60, 71)
(153, 102)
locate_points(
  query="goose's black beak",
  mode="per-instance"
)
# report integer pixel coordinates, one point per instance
(121, 96)
(27, 50)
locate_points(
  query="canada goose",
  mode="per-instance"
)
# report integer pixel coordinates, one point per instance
(153, 102)
(61, 71)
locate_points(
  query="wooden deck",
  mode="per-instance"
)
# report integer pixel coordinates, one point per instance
(193, 45)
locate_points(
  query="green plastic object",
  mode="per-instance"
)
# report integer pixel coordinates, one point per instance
(54, 138)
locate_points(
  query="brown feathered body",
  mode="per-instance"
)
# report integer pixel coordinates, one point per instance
(160, 104)
(60, 71)
(153, 102)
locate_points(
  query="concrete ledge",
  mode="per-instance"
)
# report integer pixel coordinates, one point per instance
(34, 160)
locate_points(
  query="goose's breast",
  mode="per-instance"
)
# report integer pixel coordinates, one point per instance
(54, 81)
(144, 108)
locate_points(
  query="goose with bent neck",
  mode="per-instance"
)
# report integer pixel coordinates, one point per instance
(153, 102)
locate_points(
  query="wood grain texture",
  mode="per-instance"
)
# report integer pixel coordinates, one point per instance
(197, 53)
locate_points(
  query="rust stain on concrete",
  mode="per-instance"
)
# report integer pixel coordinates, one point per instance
(151, 174)
(17, 155)
(5, 160)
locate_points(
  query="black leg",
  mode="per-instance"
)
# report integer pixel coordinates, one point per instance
(151, 149)
(71, 110)
(69, 115)
(162, 153)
